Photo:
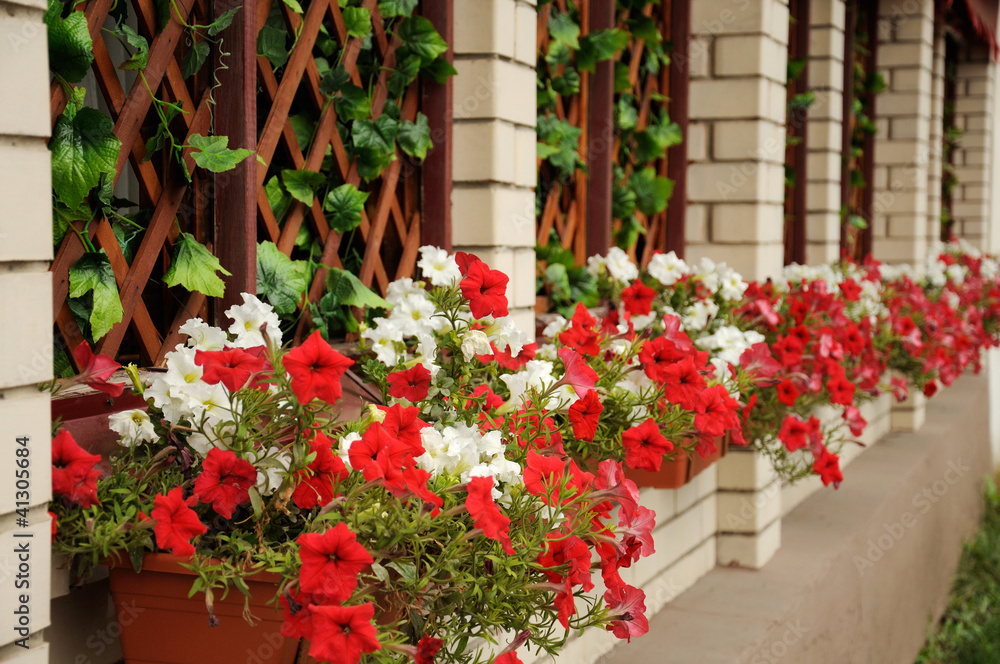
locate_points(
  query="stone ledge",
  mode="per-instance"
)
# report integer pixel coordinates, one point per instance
(861, 570)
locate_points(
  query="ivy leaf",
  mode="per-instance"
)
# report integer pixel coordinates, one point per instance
(439, 71)
(567, 84)
(358, 22)
(415, 138)
(405, 73)
(138, 59)
(71, 51)
(343, 207)
(279, 278)
(302, 184)
(600, 45)
(651, 191)
(622, 202)
(194, 267)
(271, 44)
(304, 129)
(277, 197)
(92, 273)
(194, 59)
(657, 138)
(394, 8)
(213, 154)
(376, 135)
(333, 80)
(565, 138)
(351, 292)
(419, 35)
(564, 29)
(83, 147)
(159, 139)
(626, 114)
(353, 103)
(224, 21)
(294, 6)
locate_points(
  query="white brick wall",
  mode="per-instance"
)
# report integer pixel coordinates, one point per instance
(736, 181)
(493, 201)
(25, 327)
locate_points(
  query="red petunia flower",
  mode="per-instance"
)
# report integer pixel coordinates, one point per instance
(96, 370)
(638, 298)
(176, 523)
(585, 414)
(486, 290)
(232, 367)
(315, 482)
(628, 608)
(682, 383)
(508, 658)
(464, 260)
(405, 424)
(827, 466)
(427, 650)
(793, 433)
(331, 562)
(298, 614)
(225, 481)
(316, 370)
(543, 476)
(759, 363)
(645, 446)
(581, 336)
(342, 633)
(841, 391)
(787, 392)
(578, 373)
(74, 471)
(411, 384)
(485, 515)
(508, 361)
(567, 554)
(715, 411)
(657, 354)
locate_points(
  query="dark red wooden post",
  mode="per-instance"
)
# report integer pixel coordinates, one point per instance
(868, 158)
(602, 137)
(435, 212)
(796, 155)
(677, 155)
(846, 126)
(236, 190)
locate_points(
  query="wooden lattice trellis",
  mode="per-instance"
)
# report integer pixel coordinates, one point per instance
(250, 101)
(151, 314)
(569, 208)
(390, 226)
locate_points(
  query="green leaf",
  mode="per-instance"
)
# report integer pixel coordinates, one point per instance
(162, 135)
(644, 27)
(350, 292)
(358, 22)
(858, 221)
(406, 570)
(138, 59)
(626, 114)
(92, 273)
(405, 73)
(225, 20)
(377, 135)
(194, 267)
(544, 150)
(419, 35)
(600, 45)
(213, 154)
(302, 184)
(622, 202)
(83, 147)
(415, 138)
(280, 279)
(294, 6)
(304, 129)
(333, 80)
(557, 277)
(568, 83)
(564, 29)
(651, 191)
(271, 43)
(194, 59)
(71, 51)
(563, 136)
(380, 572)
(352, 103)
(393, 8)
(256, 503)
(439, 71)
(655, 140)
(343, 207)
(277, 197)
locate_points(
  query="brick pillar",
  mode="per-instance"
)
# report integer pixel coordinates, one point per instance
(903, 111)
(749, 509)
(974, 99)
(493, 202)
(825, 130)
(25, 328)
(739, 53)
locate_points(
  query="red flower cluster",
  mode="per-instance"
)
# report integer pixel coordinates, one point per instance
(74, 471)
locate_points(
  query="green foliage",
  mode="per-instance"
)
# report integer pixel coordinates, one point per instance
(415, 137)
(92, 274)
(565, 282)
(194, 267)
(302, 184)
(213, 154)
(71, 51)
(83, 147)
(357, 22)
(280, 280)
(343, 207)
(651, 191)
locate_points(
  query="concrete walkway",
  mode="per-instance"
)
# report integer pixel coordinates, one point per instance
(861, 570)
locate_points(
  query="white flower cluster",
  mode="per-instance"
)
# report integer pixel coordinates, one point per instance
(617, 264)
(465, 452)
(728, 343)
(414, 317)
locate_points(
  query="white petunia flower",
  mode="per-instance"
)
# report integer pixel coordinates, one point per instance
(667, 268)
(202, 336)
(344, 447)
(134, 426)
(438, 266)
(249, 319)
(620, 266)
(475, 342)
(384, 337)
(401, 288)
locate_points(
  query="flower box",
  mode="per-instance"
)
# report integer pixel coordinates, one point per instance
(168, 627)
(680, 470)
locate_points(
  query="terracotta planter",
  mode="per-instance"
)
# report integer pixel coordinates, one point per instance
(681, 470)
(165, 626)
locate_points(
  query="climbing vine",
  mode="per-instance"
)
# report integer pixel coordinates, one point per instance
(643, 130)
